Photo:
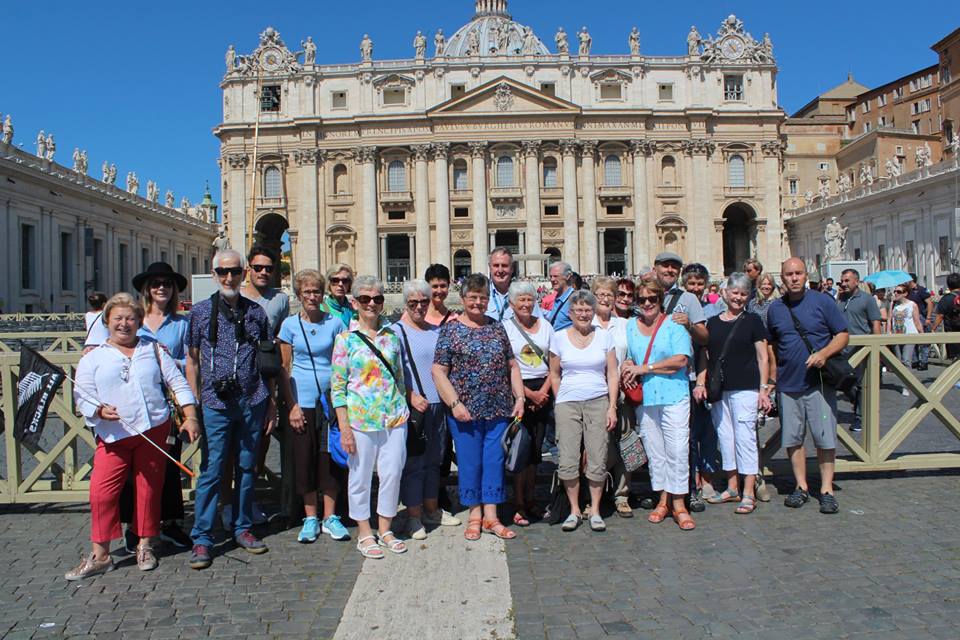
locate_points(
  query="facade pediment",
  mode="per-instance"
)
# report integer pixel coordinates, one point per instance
(504, 96)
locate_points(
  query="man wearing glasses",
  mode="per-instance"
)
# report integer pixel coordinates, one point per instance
(263, 263)
(237, 401)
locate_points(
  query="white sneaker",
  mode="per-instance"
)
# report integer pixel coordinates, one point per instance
(226, 518)
(441, 518)
(259, 515)
(415, 529)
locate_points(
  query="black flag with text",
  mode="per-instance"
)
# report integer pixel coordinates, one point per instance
(39, 381)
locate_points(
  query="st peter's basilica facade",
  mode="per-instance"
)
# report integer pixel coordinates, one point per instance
(490, 138)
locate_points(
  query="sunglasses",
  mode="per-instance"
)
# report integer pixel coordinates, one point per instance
(166, 284)
(413, 304)
(344, 281)
(646, 299)
(899, 291)
(224, 271)
(262, 267)
(624, 294)
(369, 299)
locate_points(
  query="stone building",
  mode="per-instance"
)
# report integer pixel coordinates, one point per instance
(68, 234)
(948, 51)
(496, 139)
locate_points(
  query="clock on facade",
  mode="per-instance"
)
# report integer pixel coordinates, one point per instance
(732, 48)
(270, 59)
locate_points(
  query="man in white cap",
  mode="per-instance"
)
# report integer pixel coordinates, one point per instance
(682, 306)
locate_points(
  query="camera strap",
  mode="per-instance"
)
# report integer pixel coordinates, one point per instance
(237, 319)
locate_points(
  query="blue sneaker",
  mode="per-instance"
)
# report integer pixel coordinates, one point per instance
(310, 531)
(335, 529)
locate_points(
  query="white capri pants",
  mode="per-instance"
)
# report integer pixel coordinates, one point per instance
(386, 451)
(665, 431)
(735, 418)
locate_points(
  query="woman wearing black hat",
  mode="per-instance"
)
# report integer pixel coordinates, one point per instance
(160, 288)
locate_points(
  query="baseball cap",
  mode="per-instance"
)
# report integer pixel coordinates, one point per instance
(668, 256)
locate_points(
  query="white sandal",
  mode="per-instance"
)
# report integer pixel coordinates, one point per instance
(396, 545)
(372, 550)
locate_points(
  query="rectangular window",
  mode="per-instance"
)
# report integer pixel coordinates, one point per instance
(28, 254)
(457, 90)
(866, 106)
(338, 100)
(794, 186)
(824, 166)
(394, 97)
(396, 216)
(913, 86)
(851, 114)
(915, 126)
(899, 150)
(552, 210)
(611, 92)
(944, 248)
(97, 264)
(193, 265)
(665, 92)
(856, 254)
(179, 263)
(163, 257)
(898, 93)
(867, 126)
(881, 256)
(733, 87)
(882, 122)
(66, 261)
(461, 212)
(124, 260)
(791, 166)
(144, 258)
(615, 210)
(882, 100)
(548, 88)
(909, 255)
(270, 98)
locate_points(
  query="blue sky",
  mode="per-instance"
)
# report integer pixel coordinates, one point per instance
(137, 83)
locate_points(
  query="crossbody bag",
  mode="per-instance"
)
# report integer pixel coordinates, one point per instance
(544, 356)
(323, 415)
(176, 411)
(836, 371)
(416, 436)
(715, 371)
(634, 394)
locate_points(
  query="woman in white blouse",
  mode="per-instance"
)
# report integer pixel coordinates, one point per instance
(119, 392)
(586, 383)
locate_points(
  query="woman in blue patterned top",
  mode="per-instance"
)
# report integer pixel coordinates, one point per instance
(475, 371)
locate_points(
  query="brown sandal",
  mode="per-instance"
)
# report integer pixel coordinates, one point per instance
(520, 519)
(659, 514)
(472, 532)
(496, 528)
(685, 523)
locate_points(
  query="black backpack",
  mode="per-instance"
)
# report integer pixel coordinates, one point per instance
(951, 319)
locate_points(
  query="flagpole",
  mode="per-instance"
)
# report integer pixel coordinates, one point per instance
(89, 398)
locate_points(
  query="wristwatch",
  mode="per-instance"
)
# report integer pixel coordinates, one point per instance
(765, 387)
(455, 404)
(649, 368)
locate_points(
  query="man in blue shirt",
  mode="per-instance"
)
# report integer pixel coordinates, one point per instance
(237, 401)
(804, 397)
(502, 268)
(559, 315)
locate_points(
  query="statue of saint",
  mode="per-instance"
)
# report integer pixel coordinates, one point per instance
(563, 44)
(112, 175)
(105, 168)
(834, 240)
(866, 175)
(366, 48)
(84, 162)
(51, 147)
(133, 184)
(586, 42)
(231, 59)
(420, 46)
(76, 160)
(440, 43)
(893, 168)
(843, 183)
(168, 199)
(824, 190)
(923, 156)
(221, 242)
(529, 42)
(634, 41)
(503, 39)
(42, 145)
(473, 44)
(767, 47)
(309, 51)
(7, 130)
(693, 42)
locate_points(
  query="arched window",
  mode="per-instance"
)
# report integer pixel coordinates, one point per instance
(340, 179)
(549, 172)
(736, 172)
(272, 187)
(396, 176)
(668, 171)
(505, 171)
(460, 175)
(612, 175)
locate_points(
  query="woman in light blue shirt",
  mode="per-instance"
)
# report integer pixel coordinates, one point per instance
(664, 417)
(306, 344)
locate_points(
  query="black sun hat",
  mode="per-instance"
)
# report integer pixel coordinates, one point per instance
(159, 270)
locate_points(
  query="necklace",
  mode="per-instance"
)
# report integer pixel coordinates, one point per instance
(580, 340)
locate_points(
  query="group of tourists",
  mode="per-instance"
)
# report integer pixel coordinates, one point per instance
(687, 368)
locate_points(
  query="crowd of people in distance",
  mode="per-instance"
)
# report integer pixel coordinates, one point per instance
(669, 367)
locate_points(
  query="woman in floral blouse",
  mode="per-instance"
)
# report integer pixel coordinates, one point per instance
(475, 372)
(368, 393)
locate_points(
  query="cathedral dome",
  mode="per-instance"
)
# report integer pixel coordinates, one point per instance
(494, 32)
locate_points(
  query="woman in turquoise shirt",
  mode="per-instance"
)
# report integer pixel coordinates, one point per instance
(664, 417)
(160, 288)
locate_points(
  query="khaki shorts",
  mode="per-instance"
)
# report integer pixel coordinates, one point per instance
(582, 421)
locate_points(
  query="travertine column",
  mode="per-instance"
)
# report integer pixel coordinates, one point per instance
(480, 247)
(422, 205)
(307, 221)
(441, 151)
(413, 245)
(642, 229)
(531, 196)
(599, 238)
(383, 258)
(770, 248)
(367, 259)
(571, 225)
(588, 155)
(522, 248)
(628, 253)
(700, 218)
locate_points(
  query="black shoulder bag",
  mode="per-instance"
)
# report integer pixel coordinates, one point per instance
(416, 438)
(267, 354)
(836, 371)
(715, 371)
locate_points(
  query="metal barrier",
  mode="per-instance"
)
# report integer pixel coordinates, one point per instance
(61, 473)
(45, 342)
(30, 317)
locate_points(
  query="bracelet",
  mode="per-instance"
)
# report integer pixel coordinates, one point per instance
(699, 386)
(455, 404)
(189, 418)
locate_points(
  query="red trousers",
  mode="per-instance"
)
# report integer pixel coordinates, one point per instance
(111, 463)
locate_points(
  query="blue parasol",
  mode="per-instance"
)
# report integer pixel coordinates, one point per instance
(888, 278)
